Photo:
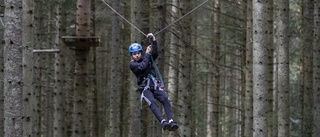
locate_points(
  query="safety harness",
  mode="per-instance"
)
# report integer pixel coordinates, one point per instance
(156, 84)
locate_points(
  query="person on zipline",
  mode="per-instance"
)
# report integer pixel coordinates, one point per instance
(149, 86)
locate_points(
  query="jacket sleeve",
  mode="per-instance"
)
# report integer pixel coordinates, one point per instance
(139, 67)
(154, 50)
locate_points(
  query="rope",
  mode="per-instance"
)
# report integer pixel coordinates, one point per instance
(161, 29)
(123, 17)
(182, 17)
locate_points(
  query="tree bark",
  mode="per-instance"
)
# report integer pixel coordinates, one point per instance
(115, 81)
(173, 61)
(173, 57)
(13, 84)
(214, 77)
(316, 70)
(36, 72)
(47, 71)
(59, 74)
(162, 10)
(260, 69)
(248, 107)
(283, 68)
(185, 85)
(1, 79)
(80, 125)
(135, 112)
(28, 42)
(271, 92)
(307, 59)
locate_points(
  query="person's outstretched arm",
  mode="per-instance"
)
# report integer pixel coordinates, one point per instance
(154, 46)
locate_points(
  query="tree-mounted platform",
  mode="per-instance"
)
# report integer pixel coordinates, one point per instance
(81, 41)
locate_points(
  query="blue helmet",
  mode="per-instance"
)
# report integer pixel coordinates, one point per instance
(135, 47)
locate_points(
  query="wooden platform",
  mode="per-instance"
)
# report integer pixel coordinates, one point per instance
(81, 41)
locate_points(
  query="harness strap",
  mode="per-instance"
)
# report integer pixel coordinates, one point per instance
(154, 65)
(158, 73)
(155, 86)
(155, 82)
(142, 95)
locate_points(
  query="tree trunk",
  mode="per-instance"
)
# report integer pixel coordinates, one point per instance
(81, 71)
(271, 92)
(216, 71)
(47, 71)
(13, 84)
(42, 78)
(274, 66)
(115, 81)
(103, 59)
(307, 14)
(59, 73)
(135, 112)
(1, 79)
(92, 94)
(185, 85)
(37, 69)
(93, 86)
(69, 92)
(173, 49)
(283, 68)
(232, 98)
(162, 10)
(316, 70)
(248, 107)
(260, 69)
(214, 77)
(173, 58)
(28, 42)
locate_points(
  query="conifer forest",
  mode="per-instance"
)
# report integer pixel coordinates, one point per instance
(230, 68)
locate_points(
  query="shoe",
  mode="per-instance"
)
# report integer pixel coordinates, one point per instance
(165, 125)
(173, 126)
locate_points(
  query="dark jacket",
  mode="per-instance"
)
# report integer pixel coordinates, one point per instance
(143, 67)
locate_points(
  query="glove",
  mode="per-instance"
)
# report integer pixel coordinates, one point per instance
(151, 35)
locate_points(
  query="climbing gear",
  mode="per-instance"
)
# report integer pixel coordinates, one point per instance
(142, 93)
(161, 86)
(161, 29)
(154, 65)
(156, 86)
(134, 47)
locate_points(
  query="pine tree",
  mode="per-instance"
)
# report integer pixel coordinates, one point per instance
(13, 84)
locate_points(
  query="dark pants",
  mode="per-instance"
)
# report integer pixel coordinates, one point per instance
(162, 97)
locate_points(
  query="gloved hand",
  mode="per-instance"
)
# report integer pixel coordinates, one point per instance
(149, 49)
(151, 35)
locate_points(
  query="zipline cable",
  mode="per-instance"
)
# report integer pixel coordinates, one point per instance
(123, 18)
(181, 17)
(161, 29)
